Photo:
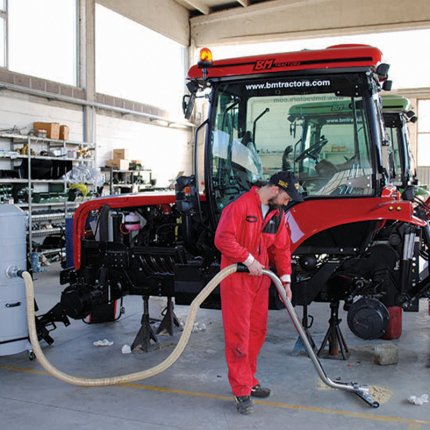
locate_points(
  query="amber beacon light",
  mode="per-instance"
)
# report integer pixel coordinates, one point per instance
(206, 56)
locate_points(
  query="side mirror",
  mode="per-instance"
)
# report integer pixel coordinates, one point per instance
(188, 102)
(387, 85)
(382, 70)
(411, 116)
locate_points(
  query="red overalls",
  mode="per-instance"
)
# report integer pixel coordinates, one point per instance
(244, 298)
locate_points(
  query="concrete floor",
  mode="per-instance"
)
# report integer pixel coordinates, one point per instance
(194, 392)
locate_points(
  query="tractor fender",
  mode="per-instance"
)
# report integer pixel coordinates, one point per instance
(310, 217)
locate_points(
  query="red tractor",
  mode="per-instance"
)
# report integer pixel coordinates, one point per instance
(316, 113)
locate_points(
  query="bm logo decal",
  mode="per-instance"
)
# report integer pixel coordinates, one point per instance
(264, 64)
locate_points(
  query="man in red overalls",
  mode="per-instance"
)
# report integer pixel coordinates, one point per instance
(251, 231)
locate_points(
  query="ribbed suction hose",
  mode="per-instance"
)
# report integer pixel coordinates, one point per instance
(131, 377)
(361, 391)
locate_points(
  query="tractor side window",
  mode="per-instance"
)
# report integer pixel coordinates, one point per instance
(393, 132)
(236, 164)
(387, 149)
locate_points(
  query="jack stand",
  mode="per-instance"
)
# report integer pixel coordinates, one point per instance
(145, 334)
(334, 337)
(307, 325)
(169, 319)
(299, 348)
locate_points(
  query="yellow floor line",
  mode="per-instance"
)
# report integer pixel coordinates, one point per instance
(282, 405)
(412, 424)
(414, 427)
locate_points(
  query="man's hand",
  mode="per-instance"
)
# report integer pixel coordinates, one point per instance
(255, 268)
(288, 292)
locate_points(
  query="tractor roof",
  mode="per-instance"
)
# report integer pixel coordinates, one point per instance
(393, 102)
(338, 56)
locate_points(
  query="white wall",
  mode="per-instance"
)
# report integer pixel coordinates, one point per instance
(22, 110)
(163, 150)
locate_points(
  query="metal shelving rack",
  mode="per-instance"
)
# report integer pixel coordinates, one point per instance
(48, 145)
(131, 180)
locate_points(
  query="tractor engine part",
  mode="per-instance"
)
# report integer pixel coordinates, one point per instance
(368, 318)
(77, 304)
(132, 222)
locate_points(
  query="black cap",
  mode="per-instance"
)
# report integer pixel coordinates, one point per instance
(289, 183)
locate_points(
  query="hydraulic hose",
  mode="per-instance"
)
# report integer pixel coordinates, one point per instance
(360, 391)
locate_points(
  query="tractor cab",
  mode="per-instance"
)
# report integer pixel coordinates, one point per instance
(315, 113)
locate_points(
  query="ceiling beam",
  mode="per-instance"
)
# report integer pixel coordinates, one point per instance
(196, 4)
(289, 19)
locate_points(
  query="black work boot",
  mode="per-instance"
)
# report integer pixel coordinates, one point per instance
(259, 391)
(244, 404)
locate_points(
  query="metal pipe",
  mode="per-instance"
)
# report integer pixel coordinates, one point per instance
(81, 102)
(361, 391)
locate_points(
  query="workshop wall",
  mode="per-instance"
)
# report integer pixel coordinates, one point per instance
(21, 110)
(165, 151)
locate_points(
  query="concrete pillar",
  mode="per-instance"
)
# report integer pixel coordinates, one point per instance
(87, 67)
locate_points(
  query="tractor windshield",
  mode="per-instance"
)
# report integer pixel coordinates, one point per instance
(315, 127)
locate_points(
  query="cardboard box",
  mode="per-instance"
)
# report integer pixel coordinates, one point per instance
(52, 129)
(136, 165)
(64, 132)
(120, 154)
(118, 164)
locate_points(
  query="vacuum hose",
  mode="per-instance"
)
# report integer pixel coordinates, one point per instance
(131, 377)
(361, 391)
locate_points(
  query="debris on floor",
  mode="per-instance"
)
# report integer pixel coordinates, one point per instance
(126, 349)
(380, 394)
(196, 327)
(104, 342)
(419, 400)
(322, 386)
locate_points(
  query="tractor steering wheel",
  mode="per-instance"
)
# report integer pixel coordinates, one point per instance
(313, 151)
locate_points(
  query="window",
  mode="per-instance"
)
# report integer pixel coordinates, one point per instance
(136, 63)
(2, 33)
(42, 39)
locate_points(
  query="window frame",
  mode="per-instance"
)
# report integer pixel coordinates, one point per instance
(4, 16)
(76, 81)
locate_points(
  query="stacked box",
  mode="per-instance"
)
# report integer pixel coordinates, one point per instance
(52, 129)
(118, 164)
(119, 159)
(64, 132)
(120, 154)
